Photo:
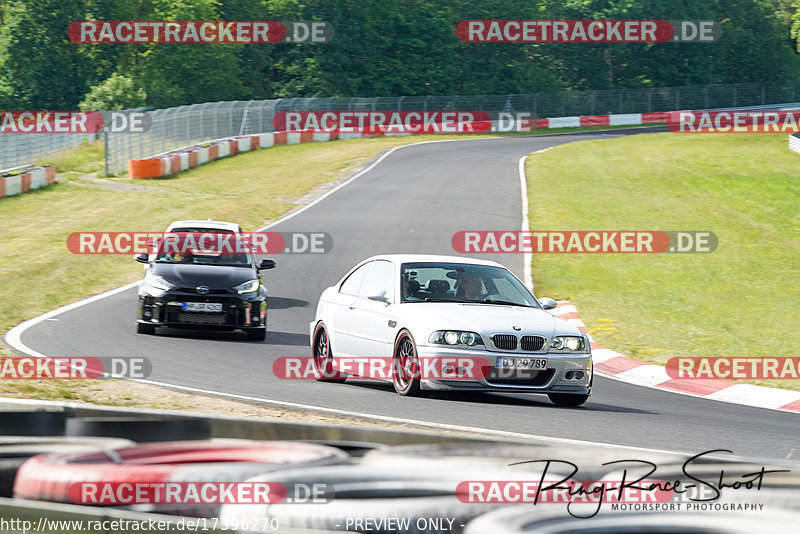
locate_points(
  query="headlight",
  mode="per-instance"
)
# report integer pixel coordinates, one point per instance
(567, 344)
(247, 287)
(455, 337)
(157, 282)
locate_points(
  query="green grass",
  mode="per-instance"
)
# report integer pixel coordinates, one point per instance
(88, 157)
(741, 300)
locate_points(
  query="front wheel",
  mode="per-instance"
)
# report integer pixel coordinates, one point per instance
(405, 366)
(567, 400)
(257, 335)
(144, 328)
(323, 360)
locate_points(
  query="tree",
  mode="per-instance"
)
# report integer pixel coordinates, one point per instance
(117, 92)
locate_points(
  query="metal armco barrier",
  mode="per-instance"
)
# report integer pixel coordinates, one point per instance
(794, 143)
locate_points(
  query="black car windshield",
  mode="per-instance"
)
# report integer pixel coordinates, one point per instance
(222, 252)
(463, 282)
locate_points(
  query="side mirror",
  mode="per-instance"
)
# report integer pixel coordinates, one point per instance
(379, 296)
(266, 264)
(141, 258)
(547, 304)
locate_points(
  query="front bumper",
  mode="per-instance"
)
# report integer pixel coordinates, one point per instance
(237, 313)
(551, 380)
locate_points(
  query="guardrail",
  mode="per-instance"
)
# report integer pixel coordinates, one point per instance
(794, 143)
(24, 178)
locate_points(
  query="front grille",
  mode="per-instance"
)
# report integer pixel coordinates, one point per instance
(505, 341)
(502, 377)
(202, 318)
(531, 343)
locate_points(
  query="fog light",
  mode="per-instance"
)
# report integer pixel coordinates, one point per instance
(578, 375)
(569, 374)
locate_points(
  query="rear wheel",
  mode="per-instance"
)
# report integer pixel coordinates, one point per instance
(405, 366)
(323, 359)
(567, 400)
(144, 328)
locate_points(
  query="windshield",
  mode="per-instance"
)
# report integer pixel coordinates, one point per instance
(215, 251)
(462, 282)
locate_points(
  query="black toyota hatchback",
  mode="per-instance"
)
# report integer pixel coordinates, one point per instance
(203, 290)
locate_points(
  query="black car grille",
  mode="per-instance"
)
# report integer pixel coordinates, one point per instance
(203, 318)
(531, 343)
(505, 341)
(232, 313)
(502, 377)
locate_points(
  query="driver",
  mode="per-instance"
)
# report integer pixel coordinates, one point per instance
(473, 286)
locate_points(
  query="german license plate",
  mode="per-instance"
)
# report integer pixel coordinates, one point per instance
(202, 306)
(506, 362)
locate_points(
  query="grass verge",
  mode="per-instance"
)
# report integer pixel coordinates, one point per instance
(740, 300)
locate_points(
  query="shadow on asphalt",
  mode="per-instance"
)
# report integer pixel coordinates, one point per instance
(282, 303)
(496, 399)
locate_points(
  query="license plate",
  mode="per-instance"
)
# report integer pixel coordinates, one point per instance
(505, 362)
(202, 306)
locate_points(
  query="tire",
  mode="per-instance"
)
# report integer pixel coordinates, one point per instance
(144, 328)
(32, 423)
(355, 491)
(140, 430)
(567, 400)
(405, 366)
(57, 477)
(323, 359)
(14, 451)
(257, 335)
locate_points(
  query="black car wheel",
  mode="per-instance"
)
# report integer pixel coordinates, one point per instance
(323, 365)
(567, 400)
(143, 328)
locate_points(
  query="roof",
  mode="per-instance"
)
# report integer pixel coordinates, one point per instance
(211, 225)
(433, 258)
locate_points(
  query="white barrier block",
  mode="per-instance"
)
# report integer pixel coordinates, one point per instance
(322, 136)
(266, 140)
(244, 144)
(351, 135)
(202, 156)
(624, 119)
(398, 134)
(38, 178)
(166, 164)
(223, 150)
(564, 122)
(13, 185)
(292, 138)
(184, 160)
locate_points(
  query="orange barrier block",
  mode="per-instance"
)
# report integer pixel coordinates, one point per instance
(255, 142)
(280, 138)
(2, 187)
(145, 168)
(233, 147)
(50, 174)
(306, 137)
(193, 158)
(334, 135)
(26, 182)
(174, 163)
(213, 152)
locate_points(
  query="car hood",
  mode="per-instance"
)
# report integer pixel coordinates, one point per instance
(485, 319)
(213, 276)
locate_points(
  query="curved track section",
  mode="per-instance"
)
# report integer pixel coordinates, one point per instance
(414, 200)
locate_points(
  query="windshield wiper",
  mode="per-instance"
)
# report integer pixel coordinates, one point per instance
(432, 299)
(503, 302)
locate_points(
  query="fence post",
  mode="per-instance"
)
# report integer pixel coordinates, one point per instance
(763, 94)
(734, 95)
(650, 100)
(677, 98)
(621, 100)
(591, 102)
(105, 149)
(705, 97)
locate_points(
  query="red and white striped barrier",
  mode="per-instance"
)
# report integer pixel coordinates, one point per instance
(621, 367)
(189, 157)
(33, 178)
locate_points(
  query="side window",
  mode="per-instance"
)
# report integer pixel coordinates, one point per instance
(379, 278)
(353, 282)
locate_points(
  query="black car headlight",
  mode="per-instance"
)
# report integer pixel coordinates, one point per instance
(247, 287)
(157, 282)
(567, 344)
(455, 337)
